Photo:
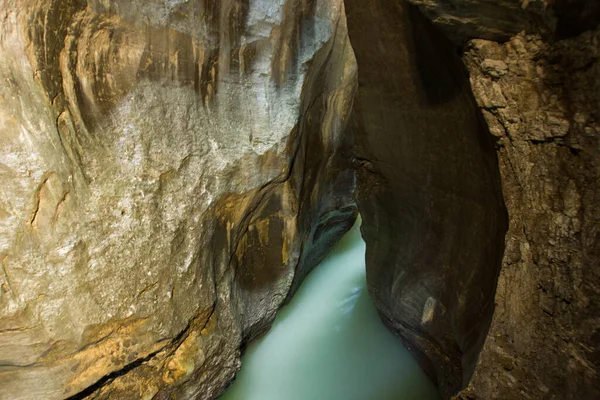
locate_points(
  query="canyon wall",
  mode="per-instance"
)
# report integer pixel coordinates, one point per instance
(541, 101)
(535, 74)
(429, 189)
(431, 196)
(170, 170)
(173, 169)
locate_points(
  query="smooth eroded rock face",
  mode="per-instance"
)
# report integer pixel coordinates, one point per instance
(499, 20)
(429, 189)
(169, 169)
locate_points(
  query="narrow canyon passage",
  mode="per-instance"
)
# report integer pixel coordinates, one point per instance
(330, 344)
(173, 170)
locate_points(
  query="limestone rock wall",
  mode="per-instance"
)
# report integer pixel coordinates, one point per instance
(542, 103)
(171, 171)
(429, 189)
(157, 200)
(499, 20)
(539, 93)
(462, 20)
(429, 185)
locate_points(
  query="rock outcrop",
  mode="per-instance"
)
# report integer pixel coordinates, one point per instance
(542, 103)
(462, 20)
(499, 20)
(430, 195)
(539, 93)
(170, 170)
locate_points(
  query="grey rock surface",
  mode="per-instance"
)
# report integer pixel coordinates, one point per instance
(499, 20)
(172, 169)
(157, 200)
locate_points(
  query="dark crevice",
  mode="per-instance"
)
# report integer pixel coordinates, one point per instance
(574, 151)
(107, 379)
(110, 377)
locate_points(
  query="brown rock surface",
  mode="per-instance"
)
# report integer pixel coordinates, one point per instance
(499, 20)
(172, 169)
(157, 198)
(540, 99)
(490, 19)
(429, 189)
(542, 103)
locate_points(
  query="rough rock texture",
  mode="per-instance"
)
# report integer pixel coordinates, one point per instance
(429, 189)
(157, 199)
(540, 98)
(172, 169)
(542, 103)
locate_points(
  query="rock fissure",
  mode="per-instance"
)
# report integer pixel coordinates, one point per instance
(110, 377)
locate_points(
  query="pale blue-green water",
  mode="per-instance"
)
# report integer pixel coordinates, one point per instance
(329, 343)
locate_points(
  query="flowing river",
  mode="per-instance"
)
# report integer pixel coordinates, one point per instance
(328, 343)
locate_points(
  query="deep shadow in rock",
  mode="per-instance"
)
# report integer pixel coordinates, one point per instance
(429, 189)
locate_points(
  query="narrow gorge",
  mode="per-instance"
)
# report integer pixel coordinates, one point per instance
(173, 170)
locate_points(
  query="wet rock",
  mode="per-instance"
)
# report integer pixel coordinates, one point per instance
(499, 20)
(539, 97)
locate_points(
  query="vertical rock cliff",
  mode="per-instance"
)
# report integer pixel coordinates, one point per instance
(535, 74)
(429, 189)
(431, 195)
(541, 101)
(170, 170)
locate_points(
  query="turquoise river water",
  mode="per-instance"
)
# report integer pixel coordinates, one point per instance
(328, 343)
